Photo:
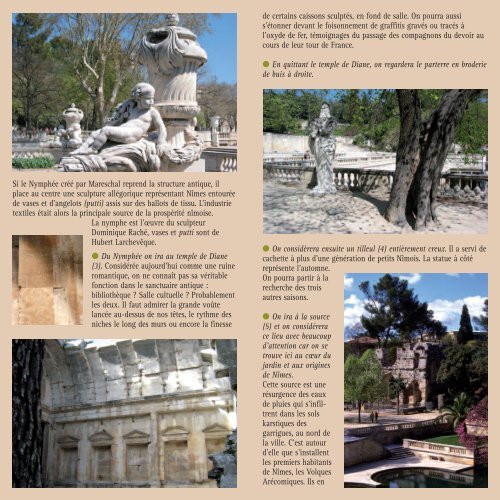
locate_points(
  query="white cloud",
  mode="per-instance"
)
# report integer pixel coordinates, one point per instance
(353, 310)
(412, 278)
(348, 282)
(449, 311)
(453, 275)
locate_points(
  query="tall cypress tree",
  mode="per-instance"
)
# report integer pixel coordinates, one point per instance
(465, 332)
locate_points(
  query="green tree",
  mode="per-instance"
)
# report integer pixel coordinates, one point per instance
(397, 386)
(216, 99)
(482, 320)
(465, 369)
(457, 411)
(32, 80)
(465, 332)
(394, 312)
(102, 50)
(422, 149)
(363, 379)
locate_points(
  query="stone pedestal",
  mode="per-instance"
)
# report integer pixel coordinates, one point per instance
(172, 57)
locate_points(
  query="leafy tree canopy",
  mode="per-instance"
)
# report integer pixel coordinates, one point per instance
(394, 312)
(465, 369)
(363, 379)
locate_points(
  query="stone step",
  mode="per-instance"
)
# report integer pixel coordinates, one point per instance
(398, 452)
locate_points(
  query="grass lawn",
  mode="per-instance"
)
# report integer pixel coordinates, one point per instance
(450, 440)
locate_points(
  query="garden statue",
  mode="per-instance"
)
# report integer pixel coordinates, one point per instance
(124, 144)
(214, 125)
(172, 57)
(72, 136)
(322, 145)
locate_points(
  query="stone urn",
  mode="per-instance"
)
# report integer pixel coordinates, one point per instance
(172, 57)
(72, 136)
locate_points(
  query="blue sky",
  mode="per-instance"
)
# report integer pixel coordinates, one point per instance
(445, 294)
(221, 47)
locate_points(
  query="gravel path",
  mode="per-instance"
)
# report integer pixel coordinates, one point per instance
(293, 210)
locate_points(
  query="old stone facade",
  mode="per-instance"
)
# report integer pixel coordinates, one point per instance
(47, 280)
(418, 365)
(142, 413)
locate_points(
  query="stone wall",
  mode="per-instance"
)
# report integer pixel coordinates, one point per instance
(417, 365)
(285, 143)
(144, 413)
(280, 143)
(47, 280)
(362, 450)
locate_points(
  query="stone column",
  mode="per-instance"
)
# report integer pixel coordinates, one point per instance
(197, 447)
(154, 461)
(51, 456)
(84, 452)
(119, 472)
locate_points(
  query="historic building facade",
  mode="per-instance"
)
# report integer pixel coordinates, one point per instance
(418, 365)
(142, 413)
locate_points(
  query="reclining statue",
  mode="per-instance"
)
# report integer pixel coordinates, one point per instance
(124, 144)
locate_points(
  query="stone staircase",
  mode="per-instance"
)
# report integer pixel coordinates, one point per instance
(397, 452)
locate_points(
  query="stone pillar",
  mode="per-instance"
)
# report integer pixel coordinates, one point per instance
(197, 449)
(198, 455)
(84, 452)
(119, 472)
(154, 461)
(51, 456)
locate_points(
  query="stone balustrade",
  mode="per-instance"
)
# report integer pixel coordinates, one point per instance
(372, 429)
(438, 451)
(393, 433)
(350, 175)
(437, 447)
(220, 159)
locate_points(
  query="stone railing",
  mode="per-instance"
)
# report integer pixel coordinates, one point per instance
(220, 160)
(444, 449)
(376, 429)
(465, 185)
(437, 451)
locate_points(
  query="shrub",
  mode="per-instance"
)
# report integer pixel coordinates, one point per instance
(36, 162)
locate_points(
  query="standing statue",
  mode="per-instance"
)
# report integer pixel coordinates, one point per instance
(124, 144)
(73, 134)
(322, 145)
